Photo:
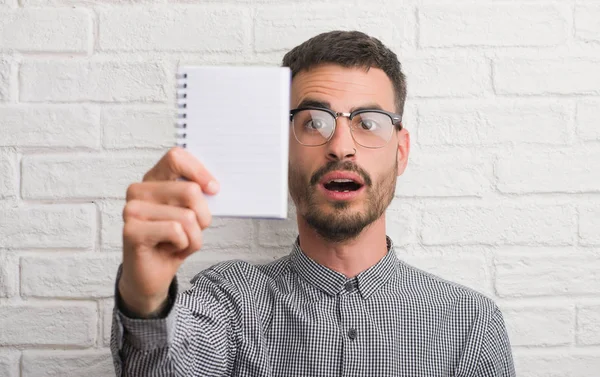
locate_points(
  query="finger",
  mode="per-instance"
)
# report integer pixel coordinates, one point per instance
(176, 193)
(179, 163)
(147, 211)
(151, 233)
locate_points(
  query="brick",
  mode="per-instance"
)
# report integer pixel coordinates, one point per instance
(112, 224)
(102, 81)
(50, 126)
(137, 127)
(569, 273)
(48, 324)
(588, 325)
(8, 172)
(540, 326)
(51, 226)
(89, 363)
(228, 233)
(447, 77)
(589, 223)
(9, 363)
(69, 276)
(402, 223)
(251, 1)
(472, 271)
(545, 363)
(492, 25)
(56, 30)
(549, 171)
(5, 73)
(493, 122)
(9, 275)
(547, 76)
(498, 224)
(410, 120)
(272, 233)
(200, 29)
(587, 119)
(107, 316)
(455, 173)
(281, 27)
(45, 3)
(81, 176)
(279, 233)
(587, 26)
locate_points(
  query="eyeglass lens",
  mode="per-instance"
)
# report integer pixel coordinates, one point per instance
(315, 127)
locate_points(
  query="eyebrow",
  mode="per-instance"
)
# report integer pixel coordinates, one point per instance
(315, 103)
(326, 105)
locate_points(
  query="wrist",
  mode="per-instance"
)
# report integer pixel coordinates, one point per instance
(135, 305)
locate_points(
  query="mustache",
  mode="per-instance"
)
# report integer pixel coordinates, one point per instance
(342, 166)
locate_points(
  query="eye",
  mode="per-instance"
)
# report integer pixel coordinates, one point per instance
(315, 124)
(369, 124)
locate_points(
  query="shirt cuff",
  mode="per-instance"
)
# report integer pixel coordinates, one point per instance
(146, 333)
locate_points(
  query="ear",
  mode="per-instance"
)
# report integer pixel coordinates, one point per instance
(403, 150)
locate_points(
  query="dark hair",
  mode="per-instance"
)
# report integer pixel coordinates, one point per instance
(349, 49)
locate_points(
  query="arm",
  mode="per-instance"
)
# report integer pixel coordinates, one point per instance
(155, 332)
(495, 359)
(194, 335)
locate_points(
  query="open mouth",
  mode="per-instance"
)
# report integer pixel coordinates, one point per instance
(342, 185)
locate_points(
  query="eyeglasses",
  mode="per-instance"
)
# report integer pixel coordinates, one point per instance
(371, 128)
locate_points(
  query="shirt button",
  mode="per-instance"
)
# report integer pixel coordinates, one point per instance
(352, 333)
(349, 286)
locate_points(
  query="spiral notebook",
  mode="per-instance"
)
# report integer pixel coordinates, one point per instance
(235, 120)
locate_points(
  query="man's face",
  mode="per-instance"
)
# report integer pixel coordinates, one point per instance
(337, 215)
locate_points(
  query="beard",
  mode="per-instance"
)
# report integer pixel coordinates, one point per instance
(341, 224)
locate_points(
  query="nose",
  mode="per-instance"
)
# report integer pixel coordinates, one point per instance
(341, 145)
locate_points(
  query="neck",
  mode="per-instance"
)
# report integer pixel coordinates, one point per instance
(348, 257)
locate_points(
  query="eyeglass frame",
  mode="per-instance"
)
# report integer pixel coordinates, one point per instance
(396, 120)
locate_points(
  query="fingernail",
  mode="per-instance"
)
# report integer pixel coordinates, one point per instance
(213, 187)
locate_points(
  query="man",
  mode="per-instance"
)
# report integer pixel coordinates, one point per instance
(341, 303)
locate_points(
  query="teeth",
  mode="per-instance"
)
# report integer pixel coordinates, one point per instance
(346, 190)
(341, 180)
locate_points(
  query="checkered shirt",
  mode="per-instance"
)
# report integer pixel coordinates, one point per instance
(295, 317)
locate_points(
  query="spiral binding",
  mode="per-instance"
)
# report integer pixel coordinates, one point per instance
(181, 124)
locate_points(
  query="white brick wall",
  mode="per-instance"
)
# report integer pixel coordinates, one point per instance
(54, 323)
(588, 113)
(532, 76)
(81, 80)
(496, 121)
(89, 363)
(587, 26)
(562, 362)
(50, 126)
(493, 25)
(59, 30)
(78, 175)
(501, 193)
(540, 325)
(4, 79)
(588, 325)
(206, 29)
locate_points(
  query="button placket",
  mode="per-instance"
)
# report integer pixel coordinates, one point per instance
(352, 334)
(349, 286)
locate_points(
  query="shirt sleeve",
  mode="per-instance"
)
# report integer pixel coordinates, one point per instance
(195, 336)
(496, 357)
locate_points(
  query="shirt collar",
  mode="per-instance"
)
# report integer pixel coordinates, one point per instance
(334, 283)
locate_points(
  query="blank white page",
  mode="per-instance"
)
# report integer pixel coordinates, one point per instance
(237, 125)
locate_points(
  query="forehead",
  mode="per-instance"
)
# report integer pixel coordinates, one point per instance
(342, 87)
